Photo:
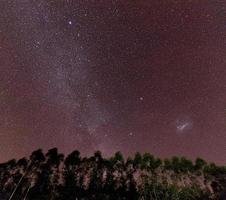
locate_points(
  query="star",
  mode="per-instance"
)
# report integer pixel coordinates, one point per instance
(131, 134)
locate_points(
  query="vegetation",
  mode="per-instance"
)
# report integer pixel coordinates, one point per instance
(50, 176)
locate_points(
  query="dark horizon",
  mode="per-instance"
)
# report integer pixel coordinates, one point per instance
(54, 176)
(146, 76)
(108, 156)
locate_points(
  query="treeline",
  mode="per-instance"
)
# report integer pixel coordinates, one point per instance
(51, 176)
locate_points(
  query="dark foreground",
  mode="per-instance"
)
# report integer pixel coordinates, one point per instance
(50, 176)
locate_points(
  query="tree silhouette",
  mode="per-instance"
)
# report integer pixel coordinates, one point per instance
(51, 177)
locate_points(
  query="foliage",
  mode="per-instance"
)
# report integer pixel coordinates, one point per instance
(144, 177)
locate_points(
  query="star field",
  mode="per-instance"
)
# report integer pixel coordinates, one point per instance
(113, 75)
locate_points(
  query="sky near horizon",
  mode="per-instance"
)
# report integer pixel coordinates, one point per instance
(113, 75)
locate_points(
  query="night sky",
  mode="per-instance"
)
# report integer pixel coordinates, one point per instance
(110, 75)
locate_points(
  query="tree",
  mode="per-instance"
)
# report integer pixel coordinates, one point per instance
(50, 177)
(54, 160)
(137, 161)
(71, 189)
(186, 165)
(199, 164)
(176, 164)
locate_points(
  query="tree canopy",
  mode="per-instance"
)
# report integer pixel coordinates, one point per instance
(142, 177)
